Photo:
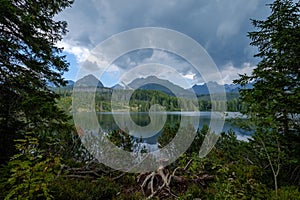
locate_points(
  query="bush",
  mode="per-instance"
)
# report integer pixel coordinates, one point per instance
(286, 193)
(85, 189)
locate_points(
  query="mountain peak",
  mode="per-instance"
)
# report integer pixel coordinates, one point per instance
(90, 77)
(89, 81)
(155, 83)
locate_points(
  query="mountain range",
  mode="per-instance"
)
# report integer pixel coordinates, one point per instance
(216, 88)
(165, 86)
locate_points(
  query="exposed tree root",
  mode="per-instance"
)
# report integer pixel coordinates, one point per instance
(158, 183)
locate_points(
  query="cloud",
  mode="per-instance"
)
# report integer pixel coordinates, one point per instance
(159, 58)
(189, 76)
(234, 15)
(220, 26)
(162, 64)
(230, 72)
(80, 52)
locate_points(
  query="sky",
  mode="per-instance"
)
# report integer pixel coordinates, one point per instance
(219, 26)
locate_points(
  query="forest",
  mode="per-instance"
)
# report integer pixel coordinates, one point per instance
(141, 101)
(42, 155)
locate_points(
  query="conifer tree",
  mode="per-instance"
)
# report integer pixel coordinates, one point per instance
(273, 103)
(29, 60)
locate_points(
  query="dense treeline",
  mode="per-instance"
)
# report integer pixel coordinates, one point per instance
(142, 100)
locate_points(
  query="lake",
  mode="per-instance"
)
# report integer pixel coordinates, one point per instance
(107, 121)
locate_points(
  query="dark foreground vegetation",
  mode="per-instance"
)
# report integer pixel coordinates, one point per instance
(233, 170)
(42, 156)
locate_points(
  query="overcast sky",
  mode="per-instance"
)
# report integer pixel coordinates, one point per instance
(220, 26)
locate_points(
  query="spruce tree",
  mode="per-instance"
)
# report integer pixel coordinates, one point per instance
(29, 60)
(273, 103)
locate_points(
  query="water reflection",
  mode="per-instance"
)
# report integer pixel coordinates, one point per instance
(107, 122)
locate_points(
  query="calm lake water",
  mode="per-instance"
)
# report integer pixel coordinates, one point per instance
(107, 122)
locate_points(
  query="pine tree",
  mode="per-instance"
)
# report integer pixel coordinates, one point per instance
(29, 114)
(276, 93)
(29, 60)
(273, 103)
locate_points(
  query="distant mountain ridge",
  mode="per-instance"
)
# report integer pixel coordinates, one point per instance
(70, 83)
(154, 83)
(165, 86)
(216, 88)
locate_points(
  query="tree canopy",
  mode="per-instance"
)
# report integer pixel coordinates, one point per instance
(29, 60)
(276, 93)
(273, 104)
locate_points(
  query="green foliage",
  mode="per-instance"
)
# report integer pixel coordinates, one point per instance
(234, 176)
(193, 191)
(32, 170)
(65, 104)
(142, 100)
(29, 116)
(29, 60)
(273, 103)
(121, 140)
(232, 149)
(84, 189)
(277, 74)
(198, 140)
(237, 181)
(167, 134)
(4, 176)
(286, 193)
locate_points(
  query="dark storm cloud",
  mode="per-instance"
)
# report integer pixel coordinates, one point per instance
(220, 26)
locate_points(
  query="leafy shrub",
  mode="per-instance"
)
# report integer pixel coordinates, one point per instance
(85, 189)
(286, 193)
(32, 170)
